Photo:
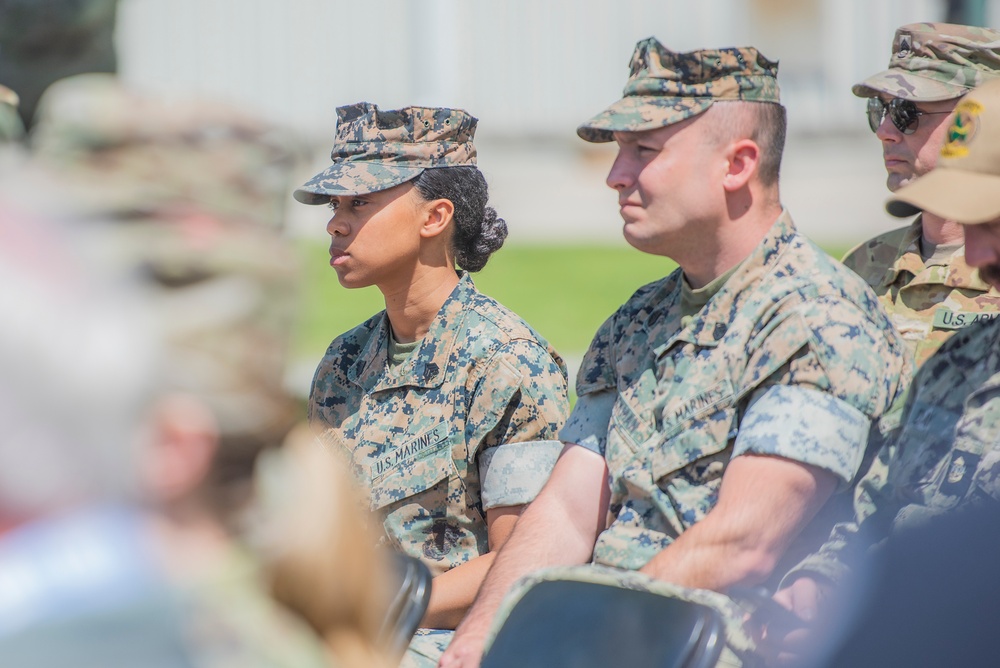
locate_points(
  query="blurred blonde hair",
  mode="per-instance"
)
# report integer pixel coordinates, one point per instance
(319, 548)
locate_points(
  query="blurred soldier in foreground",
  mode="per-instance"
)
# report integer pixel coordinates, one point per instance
(142, 566)
(947, 451)
(918, 271)
(721, 407)
(42, 41)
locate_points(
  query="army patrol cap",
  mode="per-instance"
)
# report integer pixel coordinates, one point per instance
(936, 61)
(665, 87)
(965, 185)
(377, 149)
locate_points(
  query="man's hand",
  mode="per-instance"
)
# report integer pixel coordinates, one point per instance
(465, 651)
(784, 646)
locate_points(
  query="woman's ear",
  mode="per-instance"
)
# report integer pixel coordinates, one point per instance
(438, 214)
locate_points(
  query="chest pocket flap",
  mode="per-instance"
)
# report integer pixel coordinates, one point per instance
(695, 427)
(413, 468)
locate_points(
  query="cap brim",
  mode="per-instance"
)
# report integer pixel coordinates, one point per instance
(909, 86)
(353, 178)
(969, 198)
(638, 113)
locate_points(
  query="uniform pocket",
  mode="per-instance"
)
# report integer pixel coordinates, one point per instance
(413, 468)
(695, 428)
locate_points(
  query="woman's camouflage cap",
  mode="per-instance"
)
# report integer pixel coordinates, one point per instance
(377, 149)
(936, 61)
(665, 87)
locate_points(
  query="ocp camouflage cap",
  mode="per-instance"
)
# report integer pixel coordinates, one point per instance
(665, 87)
(936, 61)
(377, 149)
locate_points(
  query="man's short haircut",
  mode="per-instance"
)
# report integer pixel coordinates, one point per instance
(765, 123)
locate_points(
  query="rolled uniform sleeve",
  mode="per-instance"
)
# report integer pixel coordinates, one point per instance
(517, 412)
(596, 390)
(805, 425)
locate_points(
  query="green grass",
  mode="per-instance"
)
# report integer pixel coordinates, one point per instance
(565, 292)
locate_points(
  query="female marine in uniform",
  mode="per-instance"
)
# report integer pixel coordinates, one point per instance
(447, 402)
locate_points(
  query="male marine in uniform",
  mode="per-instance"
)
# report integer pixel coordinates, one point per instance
(919, 271)
(720, 407)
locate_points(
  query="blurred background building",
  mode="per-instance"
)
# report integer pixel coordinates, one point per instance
(531, 70)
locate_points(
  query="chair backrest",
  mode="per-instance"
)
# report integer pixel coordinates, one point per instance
(588, 625)
(408, 606)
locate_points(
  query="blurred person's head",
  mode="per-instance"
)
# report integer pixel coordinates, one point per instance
(194, 192)
(932, 66)
(406, 195)
(42, 41)
(965, 186)
(700, 136)
(78, 355)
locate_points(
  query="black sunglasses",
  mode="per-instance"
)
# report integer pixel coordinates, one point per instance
(903, 114)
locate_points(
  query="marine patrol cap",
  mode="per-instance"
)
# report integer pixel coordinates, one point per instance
(965, 185)
(665, 87)
(377, 149)
(936, 61)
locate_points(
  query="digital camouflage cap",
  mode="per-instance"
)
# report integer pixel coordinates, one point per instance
(665, 87)
(936, 61)
(375, 149)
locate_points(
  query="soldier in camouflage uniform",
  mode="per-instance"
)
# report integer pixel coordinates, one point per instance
(185, 199)
(448, 404)
(918, 271)
(759, 364)
(946, 453)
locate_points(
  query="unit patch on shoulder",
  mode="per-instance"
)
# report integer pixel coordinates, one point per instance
(963, 128)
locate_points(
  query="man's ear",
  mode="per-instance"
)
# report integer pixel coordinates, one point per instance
(744, 159)
(184, 441)
(438, 214)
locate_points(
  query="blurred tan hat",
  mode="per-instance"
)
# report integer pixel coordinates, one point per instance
(965, 185)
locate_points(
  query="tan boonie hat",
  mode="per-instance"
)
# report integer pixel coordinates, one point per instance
(936, 61)
(965, 185)
(665, 87)
(375, 149)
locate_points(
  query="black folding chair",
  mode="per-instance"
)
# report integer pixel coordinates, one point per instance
(588, 625)
(408, 606)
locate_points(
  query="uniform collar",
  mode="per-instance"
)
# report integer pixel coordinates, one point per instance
(426, 366)
(709, 327)
(909, 263)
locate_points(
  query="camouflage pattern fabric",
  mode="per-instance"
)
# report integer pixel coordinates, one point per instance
(416, 433)
(426, 648)
(665, 87)
(926, 303)
(790, 316)
(936, 61)
(945, 455)
(11, 128)
(738, 650)
(375, 149)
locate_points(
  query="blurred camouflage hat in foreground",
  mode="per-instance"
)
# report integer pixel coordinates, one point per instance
(197, 192)
(965, 185)
(936, 61)
(377, 149)
(11, 128)
(665, 87)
